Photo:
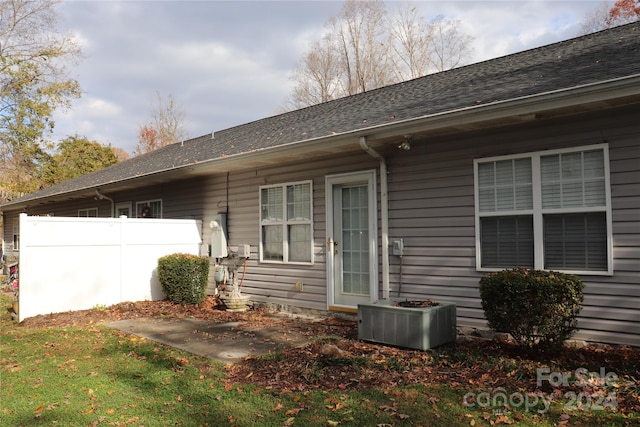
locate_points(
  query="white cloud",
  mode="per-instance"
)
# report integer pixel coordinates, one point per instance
(228, 63)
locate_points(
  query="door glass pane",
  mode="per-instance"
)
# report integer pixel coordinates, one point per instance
(355, 240)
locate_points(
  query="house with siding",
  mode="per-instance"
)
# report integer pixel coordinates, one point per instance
(531, 159)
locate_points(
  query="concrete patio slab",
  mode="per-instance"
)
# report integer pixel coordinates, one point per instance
(225, 342)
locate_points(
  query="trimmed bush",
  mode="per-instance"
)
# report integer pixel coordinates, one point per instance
(184, 277)
(538, 308)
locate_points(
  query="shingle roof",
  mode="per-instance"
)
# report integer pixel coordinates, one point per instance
(593, 58)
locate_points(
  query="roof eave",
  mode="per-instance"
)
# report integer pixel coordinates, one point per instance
(582, 98)
(586, 97)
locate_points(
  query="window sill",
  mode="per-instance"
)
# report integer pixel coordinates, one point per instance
(284, 262)
(576, 272)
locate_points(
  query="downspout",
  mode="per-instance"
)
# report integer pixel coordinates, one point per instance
(101, 196)
(384, 208)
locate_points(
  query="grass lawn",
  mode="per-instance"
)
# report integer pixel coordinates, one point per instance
(91, 375)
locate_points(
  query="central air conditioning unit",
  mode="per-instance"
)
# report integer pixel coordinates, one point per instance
(419, 328)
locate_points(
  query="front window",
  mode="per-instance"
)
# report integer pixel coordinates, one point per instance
(149, 209)
(545, 210)
(286, 223)
(88, 213)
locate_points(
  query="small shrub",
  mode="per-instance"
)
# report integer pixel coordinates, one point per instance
(184, 277)
(538, 308)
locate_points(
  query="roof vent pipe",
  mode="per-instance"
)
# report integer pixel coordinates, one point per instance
(384, 214)
(101, 196)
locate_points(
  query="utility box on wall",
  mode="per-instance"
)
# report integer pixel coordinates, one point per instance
(218, 226)
(244, 251)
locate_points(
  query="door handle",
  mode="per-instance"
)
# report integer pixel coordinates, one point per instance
(331, 245)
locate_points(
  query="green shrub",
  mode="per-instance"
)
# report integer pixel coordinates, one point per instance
(184, 277)
(538, 308)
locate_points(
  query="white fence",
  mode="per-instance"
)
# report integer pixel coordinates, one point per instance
(79, 263)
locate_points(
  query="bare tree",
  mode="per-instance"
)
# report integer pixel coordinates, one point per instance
(364, 49)
(359, 37)
(352, 57)
(610, 14)
(320, 73)
(449, 47)
(166, 126)
(410, 40)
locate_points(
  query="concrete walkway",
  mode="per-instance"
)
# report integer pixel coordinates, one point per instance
(225, 342)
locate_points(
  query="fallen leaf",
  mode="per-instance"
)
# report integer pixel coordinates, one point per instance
(277, 407)
(503, 420)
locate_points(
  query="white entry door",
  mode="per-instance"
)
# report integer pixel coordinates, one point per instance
(351, 239)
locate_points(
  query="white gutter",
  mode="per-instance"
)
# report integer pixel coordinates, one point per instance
(594, 93)
(384, 214)
(101, 196)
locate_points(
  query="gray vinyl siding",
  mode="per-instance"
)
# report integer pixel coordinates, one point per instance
(274, 283)
(432, 209)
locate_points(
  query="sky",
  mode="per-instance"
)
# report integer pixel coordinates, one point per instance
(226, 63)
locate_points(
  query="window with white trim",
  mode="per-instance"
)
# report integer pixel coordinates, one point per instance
(286, 223)
(123, 209)
(149, 209)
(16, 234)
(546, 210)
(88, 213)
